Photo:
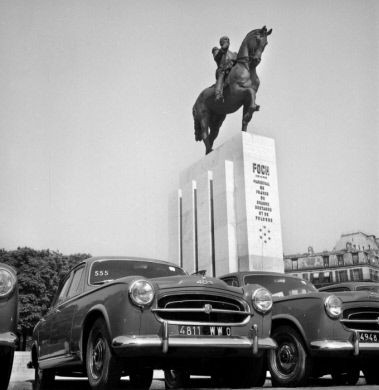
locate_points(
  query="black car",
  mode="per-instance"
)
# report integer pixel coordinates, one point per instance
(317, 332)
(8, 322)
(352, 286)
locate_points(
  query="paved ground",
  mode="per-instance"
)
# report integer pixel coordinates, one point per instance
(158, 384)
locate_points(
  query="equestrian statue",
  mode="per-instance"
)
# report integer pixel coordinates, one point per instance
(236, 85)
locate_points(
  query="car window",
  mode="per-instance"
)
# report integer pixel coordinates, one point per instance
(74, 287)
(103, 271)
(368, 288)
(232, 281)
(280, 285)
(62, 294)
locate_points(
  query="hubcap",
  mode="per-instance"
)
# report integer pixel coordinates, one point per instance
(97, 357)
(287, 357)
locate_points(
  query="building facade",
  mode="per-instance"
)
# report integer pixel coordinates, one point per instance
(355, 257)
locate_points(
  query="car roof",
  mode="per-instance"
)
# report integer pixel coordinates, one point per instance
(132, 258)
(349, 285)
(269, 273)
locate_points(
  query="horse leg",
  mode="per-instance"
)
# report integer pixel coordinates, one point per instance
(248, 109)
(204, 122)
(215, 124)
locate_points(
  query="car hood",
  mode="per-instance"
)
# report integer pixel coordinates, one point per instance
(346, 297)
(357, 296)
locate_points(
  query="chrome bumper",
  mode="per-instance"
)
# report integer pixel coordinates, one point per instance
(8, 339)
(166, 341)
(335, 345)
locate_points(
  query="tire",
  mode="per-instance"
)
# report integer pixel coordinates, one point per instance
(103, 370)
(141, 379)
(252, 373)
(347, 378)
(43, 379)
(371, 374)
(6, 363)
(260, 372)
(176, 379)
(289, 364)
(242, 373)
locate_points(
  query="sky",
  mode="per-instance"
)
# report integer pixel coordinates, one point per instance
(96, 116)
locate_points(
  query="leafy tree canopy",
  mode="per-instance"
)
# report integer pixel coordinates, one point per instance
(38, 274)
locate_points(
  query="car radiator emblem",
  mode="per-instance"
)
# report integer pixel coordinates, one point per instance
(204, 281)
(208, 308)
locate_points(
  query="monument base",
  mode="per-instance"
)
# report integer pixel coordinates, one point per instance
(225, 217)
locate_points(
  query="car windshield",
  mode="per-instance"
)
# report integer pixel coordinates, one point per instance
(103, 271)
(281, 286)
(368, 288)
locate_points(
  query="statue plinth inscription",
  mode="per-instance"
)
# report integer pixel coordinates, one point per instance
(225, 216)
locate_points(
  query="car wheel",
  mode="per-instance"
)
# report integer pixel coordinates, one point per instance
(141, 379)
(6, 363)
(371, 374)
(289, 364)
(103, 369)
(259, 371)
(251, 373)
(43, 379)
(242, 373)
(347, 378)
(176, 379)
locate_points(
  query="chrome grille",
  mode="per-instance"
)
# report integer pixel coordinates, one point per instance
(364, 319)
(202, 309)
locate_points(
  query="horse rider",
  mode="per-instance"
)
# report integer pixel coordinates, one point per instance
(225, 59)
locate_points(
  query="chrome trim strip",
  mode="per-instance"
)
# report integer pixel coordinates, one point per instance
(174, 341)
(365, 331)
(55, 361)
(360, 321)
(332, 345)
(356, 346)
(201, 300)
(267, 343)
(368, 346)
(170, 322)
(359, 313)
(200, 311)
(8, 339)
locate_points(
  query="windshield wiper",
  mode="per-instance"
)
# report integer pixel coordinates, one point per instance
(103, 281)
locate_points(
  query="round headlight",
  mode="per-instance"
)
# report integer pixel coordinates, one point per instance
(141, 292)
(333, 306)
(262, 300)
(7, 282)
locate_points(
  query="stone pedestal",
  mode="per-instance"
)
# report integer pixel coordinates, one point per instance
(225, 216)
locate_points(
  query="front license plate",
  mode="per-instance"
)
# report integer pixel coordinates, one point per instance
(197, 330)
(368, 337)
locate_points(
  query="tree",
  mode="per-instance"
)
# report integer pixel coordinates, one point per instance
(38, 274)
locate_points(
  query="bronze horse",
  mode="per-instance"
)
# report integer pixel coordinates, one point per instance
(241, 86)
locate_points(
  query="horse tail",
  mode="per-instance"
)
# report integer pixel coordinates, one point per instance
(197, 124)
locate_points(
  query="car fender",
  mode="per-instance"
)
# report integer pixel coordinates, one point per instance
(287, 319)
(96, 311)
